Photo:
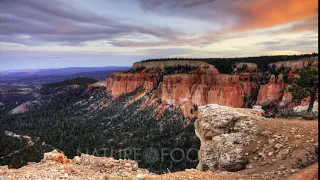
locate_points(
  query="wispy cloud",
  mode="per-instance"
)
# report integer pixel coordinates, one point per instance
(58, 21)
(236, 14)
(157, 28)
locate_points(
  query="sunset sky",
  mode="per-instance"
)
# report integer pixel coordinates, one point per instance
(72, 33)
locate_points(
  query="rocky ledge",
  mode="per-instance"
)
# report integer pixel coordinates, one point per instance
(242, 140)
(223, 132)
(56, 165)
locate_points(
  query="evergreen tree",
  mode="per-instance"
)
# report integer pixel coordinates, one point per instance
(306, 85)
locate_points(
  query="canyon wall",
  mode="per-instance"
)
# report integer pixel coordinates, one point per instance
(122, 83)
(245, 87)
(270, 92)
(201, 89)
(295, 66)
(204, 85)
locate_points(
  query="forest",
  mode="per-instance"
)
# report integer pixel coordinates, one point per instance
(75, 121)
(224, 65)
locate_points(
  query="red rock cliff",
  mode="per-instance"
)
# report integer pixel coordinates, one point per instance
(270, 92)
(121, 83)
(201, 89)
(207, 86)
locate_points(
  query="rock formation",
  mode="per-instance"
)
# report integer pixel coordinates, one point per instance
(97, 84)
(300, 108)
(238, 139)
(247, 67)
(201, 89)
(24, 107)
(56, 165)
(245, 87)
(122, 83)
(295, 66)
(223, 132)
(203, 86)
(270, 92)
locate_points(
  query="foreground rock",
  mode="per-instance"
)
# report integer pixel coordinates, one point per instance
(235, 139)
(56, 165)
(223, 131)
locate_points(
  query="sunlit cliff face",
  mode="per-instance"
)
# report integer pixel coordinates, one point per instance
(47, 34)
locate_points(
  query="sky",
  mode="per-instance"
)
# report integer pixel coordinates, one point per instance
(38, 34)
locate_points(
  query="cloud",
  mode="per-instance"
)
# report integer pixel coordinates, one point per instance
(309, 24)
(302, 44)
(59, 21)
(237, 15)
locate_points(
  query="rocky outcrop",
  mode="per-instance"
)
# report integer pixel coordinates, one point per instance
(96, 85)
(270, 92)
(24, 107)
(223, 132)
(122, 83)
(234, 139)
(246, 67)
(56, 165)
(301, 108)
(160, 65)
(295, 66)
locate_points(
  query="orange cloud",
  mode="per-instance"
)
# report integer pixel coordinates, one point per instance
(269, 13)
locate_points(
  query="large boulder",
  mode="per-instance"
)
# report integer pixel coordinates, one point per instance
(223, 131)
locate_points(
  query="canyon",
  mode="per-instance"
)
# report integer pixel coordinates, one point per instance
(234, 117)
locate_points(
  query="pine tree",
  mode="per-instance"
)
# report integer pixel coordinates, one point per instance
(306, 84)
